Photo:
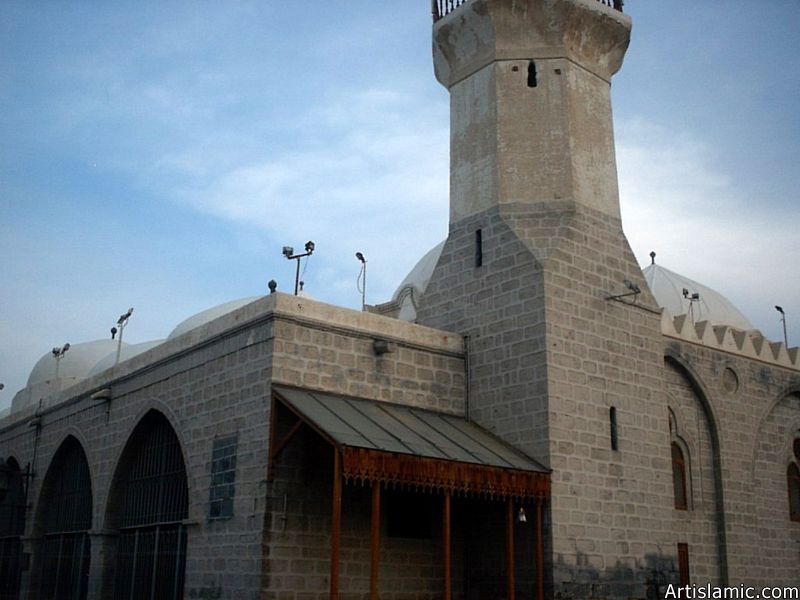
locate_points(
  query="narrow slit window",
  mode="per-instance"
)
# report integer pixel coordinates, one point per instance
(679, 478)
(684, 576)
(532, 75)
(612, 418)
(479, 248)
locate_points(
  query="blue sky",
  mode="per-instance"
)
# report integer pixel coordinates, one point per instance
(159, 155)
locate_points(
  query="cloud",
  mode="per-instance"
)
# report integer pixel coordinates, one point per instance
(678, 201)
(369, 173)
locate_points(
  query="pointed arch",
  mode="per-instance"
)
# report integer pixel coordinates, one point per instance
(12, 527)
(787, 393)
(679, 478)
(147, 505)
(673, 357)
(63, 520)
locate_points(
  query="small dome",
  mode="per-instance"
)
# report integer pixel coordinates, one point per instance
(209, 315)
(76, 364)
(420, 276)
(128, 351)
(667, 287)
(415, 283)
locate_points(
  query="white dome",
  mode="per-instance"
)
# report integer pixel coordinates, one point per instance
(416, 282)
(419, 277)
(209, 315)
(711, 306)
(128, 351)
(75, 365)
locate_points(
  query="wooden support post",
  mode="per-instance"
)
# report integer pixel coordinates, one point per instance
(447, 556)
(336, 524)
(376, 540)
(512, 584)
(539, 552)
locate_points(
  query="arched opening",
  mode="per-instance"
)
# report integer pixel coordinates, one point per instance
(150, 501)
(793, 479)
(12, 526)
(683, 382)
(679, 478)
(65, 517)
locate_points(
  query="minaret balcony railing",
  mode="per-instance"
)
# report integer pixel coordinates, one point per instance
(441, 8)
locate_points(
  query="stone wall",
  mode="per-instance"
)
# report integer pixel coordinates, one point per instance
(214, 383)
(549, 356)
(217, 389)
(755, 408)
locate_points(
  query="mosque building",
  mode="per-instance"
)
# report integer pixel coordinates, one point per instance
(530, 415)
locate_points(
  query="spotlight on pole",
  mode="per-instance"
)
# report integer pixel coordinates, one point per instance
(783, 320)
(58, 354)
(288, 252)
(121, 322)
(361, 282)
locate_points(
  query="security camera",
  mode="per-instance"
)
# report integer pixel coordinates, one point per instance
(288, 251)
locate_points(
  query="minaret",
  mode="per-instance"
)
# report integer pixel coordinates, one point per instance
(530, 107)
(565, 360)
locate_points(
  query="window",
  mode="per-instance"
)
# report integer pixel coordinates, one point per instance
(154, 500)
(223, 478)
(683, 564)
(67, 517)
(12, 526)
(612, 417)
(793, 479)
(679, 478)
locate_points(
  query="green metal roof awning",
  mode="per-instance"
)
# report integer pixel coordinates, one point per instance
(410, 445)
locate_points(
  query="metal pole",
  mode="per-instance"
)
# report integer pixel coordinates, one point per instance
(119, 342)
(376, 540)
(364, 290)
(512, 585)
(336, 525)
(785, 337)
(297, 277)
(448, 594)
(539, 551)
(783, 321)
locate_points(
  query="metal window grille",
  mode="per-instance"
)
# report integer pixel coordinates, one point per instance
(10, 559)
(151, 551)
(67, 505)
(12, 526)
(223, 478)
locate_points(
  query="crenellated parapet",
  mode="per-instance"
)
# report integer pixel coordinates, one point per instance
(749, 344)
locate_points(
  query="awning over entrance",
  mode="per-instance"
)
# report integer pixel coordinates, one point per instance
(392, 445)
(419, 448)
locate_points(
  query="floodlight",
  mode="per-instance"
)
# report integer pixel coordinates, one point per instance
(632, 286)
